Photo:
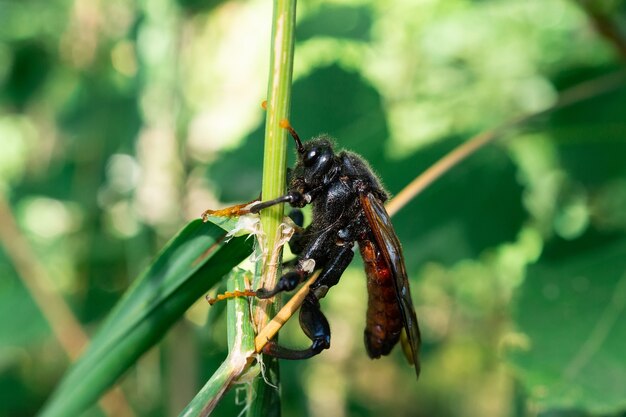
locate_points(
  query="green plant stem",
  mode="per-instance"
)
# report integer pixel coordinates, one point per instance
(267, 401)
(278, 104)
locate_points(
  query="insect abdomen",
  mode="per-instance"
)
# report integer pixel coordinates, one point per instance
(384, 318)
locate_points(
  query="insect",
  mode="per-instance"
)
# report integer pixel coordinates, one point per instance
(347, 204)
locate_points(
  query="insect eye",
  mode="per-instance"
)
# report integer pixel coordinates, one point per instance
(310, 157)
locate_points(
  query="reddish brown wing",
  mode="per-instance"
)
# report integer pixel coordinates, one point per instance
(390, 258)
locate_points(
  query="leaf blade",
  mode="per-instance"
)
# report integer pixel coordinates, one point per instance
(187, 267)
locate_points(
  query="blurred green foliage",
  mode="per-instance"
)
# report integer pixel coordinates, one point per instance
(121, 120)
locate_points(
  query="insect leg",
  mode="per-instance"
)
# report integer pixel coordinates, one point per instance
(233, 211)
(312, 320)
(301, 237)
(315, 326)
(331, 274)
(295, 198)
(297, 217)
(308, 260)
(287, 282)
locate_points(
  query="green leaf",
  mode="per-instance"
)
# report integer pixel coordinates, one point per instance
(572, 308)
(187, 267)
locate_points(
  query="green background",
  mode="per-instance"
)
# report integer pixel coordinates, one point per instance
(120, 121)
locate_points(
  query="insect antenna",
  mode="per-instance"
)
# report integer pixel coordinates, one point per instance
(286, 125)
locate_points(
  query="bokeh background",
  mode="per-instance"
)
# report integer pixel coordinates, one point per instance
(121, 120)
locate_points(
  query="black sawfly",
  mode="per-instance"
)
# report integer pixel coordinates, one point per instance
(347, 202)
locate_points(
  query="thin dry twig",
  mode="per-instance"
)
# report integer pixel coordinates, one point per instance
(65, 327)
